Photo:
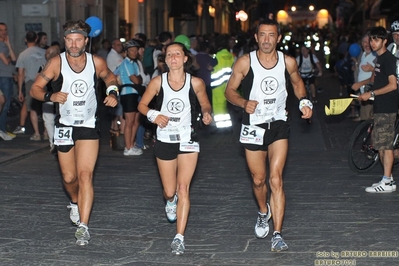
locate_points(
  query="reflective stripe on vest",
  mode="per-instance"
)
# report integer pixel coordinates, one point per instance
(221, 76)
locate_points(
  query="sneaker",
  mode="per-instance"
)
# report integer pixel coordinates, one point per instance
(126, 152)
(35, 137)
(19, 130)
(82, 235)
(262, 226)
(177, 246)
(393, 183)
(384, 186)
(132, 151)
(5, 136)
(170, 209)
(137, 151)
(74, 213)
(278, 243)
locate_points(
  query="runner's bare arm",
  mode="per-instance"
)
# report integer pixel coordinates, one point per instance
(200, 91)
(50, 72)
(240, 70)
(296, 80)
(103, 72)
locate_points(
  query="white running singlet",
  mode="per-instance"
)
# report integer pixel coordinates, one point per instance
(269, 89)
(177, 106)
(80, 108)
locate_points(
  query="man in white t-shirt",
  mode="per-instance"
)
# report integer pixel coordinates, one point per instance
(365, 70)
(114, 57)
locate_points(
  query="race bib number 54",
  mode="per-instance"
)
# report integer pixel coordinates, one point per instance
(252, 134)
(63, 136)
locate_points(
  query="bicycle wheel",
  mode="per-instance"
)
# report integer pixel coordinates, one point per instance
(361, 155)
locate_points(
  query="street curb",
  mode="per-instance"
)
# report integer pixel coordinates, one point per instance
(22, 156)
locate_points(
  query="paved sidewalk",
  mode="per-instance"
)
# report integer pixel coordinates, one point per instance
(20, 147)
(329, 217)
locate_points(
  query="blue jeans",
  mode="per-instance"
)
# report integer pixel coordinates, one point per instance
(7, 87)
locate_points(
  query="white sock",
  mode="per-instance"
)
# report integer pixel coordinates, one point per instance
(173, 201)
(179, 236)
(387, 178)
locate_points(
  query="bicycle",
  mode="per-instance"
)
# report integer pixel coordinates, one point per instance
(362, 157)
(306, 79)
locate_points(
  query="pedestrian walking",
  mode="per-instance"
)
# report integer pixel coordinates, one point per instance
(265, 131)
(73, 75)
(176, 147)
(28, 64)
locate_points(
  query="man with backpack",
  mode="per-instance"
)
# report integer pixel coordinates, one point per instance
(309, 66)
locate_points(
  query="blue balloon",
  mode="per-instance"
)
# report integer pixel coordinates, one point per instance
(96, 26)
(355, 50)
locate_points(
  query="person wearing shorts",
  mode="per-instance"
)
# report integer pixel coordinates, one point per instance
(176, 148)
(28, 64)
(73, 75)
(129, 74)
(264, 132)
(385, 106)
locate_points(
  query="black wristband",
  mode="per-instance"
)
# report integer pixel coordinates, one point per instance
(47, 96)
(114, 93)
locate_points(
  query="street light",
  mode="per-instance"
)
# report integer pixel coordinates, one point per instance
(242, 15)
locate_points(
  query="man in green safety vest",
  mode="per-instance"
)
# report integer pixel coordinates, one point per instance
(219, 77)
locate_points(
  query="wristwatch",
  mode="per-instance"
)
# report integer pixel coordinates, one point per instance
(372, 94)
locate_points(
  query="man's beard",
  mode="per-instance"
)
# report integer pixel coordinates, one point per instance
(76, 54)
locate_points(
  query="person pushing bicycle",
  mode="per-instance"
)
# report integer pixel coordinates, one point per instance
(385, 106)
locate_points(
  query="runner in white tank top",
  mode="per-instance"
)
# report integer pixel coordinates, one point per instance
(176, 149)
(265, 132)
(73, 76)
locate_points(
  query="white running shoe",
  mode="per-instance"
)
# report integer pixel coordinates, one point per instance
(177, 246)
(82, 235)
(74, 213)
(170, 209)
(262, 225)
(132, 151)
(278, 243)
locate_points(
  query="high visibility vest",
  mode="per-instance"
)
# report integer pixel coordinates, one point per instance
(222, 71)
(219, 77)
